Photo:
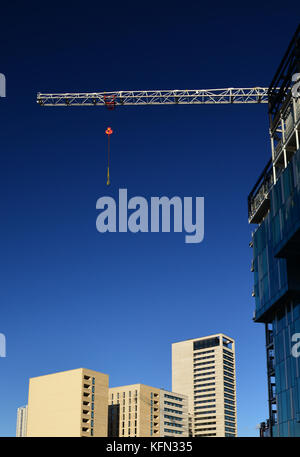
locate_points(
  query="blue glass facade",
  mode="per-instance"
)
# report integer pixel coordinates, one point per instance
(276, 262)
(286, 322)
(276, 243)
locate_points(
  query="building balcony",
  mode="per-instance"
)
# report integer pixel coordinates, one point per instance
(259, 200)
(285, 132)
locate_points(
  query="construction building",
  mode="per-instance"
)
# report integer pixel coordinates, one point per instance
(274, 205)
(142, 411)
(204, 370)
(68, 404)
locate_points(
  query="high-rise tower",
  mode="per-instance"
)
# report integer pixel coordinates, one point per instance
(204, 370)
(21, 429)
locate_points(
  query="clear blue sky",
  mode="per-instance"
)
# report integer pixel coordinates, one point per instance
(71, 297)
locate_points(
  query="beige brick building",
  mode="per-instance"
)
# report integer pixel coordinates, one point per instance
(204, 370)
(144, 411)
(68, 404)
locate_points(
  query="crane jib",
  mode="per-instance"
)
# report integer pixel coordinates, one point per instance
(156, 97)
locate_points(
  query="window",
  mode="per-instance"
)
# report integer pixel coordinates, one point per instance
(229, 401)
(207, 343)
(229, 396)
(228, 358)
(205, 423)
(205, 369)
(172, 404)
(205, 396)
(229, 429)
(226, 373)
(228, 418)
(206, 407)
(230, 424)
(204, 380)
(205, 429)
(175, 432)
(172, 411)
(173, 398)
(208, 434)
(204, 412)
(205, 363)
(211, 351)
(173, 424)
(204, 390)
(173, 418)
(197, 359)
(229, 407)
(231, 391)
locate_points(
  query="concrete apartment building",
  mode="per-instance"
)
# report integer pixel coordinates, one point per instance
(204, 370)
(21, 429)
(68, 404)
(138, 410)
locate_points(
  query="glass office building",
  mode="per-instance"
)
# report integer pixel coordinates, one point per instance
(274, 205)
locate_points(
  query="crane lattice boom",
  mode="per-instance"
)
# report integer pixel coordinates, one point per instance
(157, 97)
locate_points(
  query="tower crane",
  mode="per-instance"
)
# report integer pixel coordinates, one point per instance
(155, 97)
